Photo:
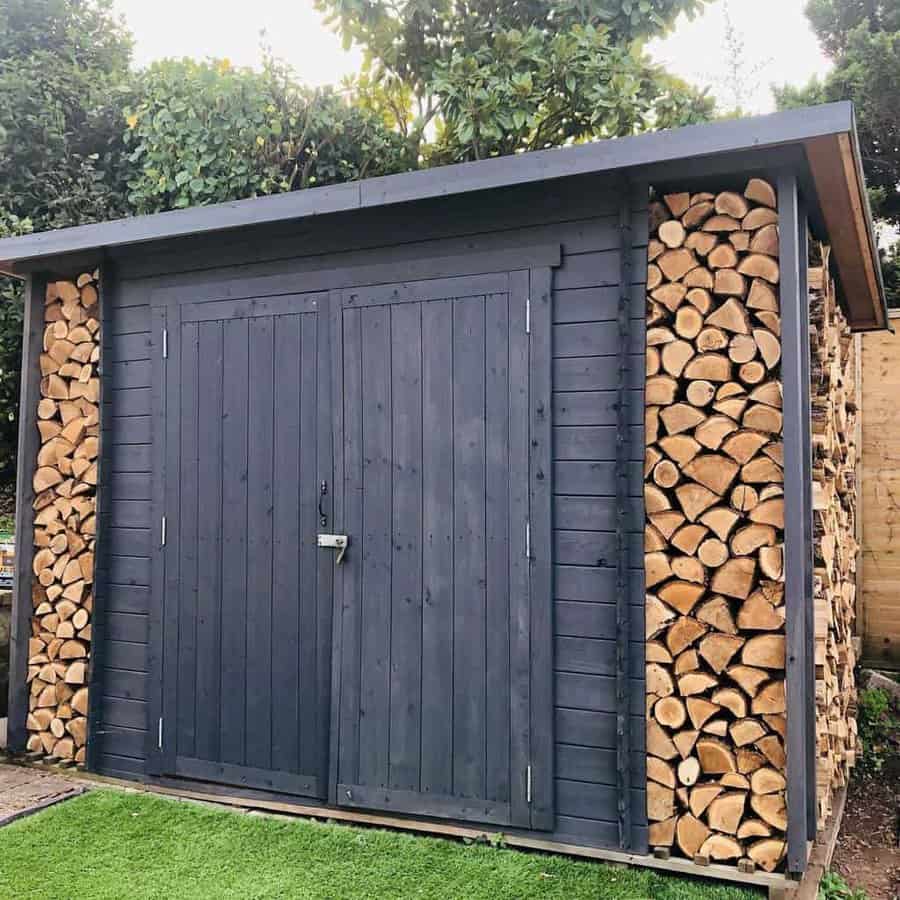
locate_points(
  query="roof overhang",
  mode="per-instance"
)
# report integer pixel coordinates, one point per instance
(826, 135)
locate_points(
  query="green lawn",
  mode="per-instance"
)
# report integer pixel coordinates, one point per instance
(108, 844)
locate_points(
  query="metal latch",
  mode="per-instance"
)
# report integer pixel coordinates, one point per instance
(338, 542)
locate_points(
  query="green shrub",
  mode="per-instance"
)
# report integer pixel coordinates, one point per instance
(833, 887)
(206, 132)
(879, 730)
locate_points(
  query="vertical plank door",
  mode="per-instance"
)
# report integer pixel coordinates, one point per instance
(247, 598)
(434, 626)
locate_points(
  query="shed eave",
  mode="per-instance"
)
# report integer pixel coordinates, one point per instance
(827, 133)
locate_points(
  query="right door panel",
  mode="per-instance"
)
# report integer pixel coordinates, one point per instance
(433, 709)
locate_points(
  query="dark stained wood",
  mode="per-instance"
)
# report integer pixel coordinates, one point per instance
(469, 687)
(373, 555)
(235, 393)
(294, 381)
(29, 396)
(541, 480)
(497, 548)
(209, 548)
(437, 547)
(405, 710)
(519, 564)
(795, 524)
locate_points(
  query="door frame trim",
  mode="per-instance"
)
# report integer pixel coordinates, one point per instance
(336, 276)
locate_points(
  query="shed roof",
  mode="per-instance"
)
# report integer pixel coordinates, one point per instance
(825, 135)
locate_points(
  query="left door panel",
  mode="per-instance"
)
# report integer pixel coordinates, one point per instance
(246, 605)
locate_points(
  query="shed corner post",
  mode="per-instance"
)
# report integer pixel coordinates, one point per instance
(26, 458)
(797, 525)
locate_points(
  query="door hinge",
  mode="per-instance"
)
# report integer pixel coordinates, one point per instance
(162, 532)
(527, 540)
(528, 315)
(527, 782)
(160, 734)
(165, 343)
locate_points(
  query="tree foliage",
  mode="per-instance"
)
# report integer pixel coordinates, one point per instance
(862, 37)
(61, 62)
(207, 132)
(496, 78)
(83, 138)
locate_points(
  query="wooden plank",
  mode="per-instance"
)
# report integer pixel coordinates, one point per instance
(28, 445)
(582, 619)
(348, 445)
(374, 405)
(415, 803)
(590, 514)
(262, 779)
(437, 550)
(591, 407)
(878, 605)
(306, 494)
(189, 499)
(595, 442)
(518, 511)
(798, 728)
(596, 373)
(434, 288)
(164, 593)
(128, 429)
(591, 304)
(342, 441)
(594, 478)
(809, 531)
(405, 705)
(592, 339)
(294, 373)
(591, 584)
(469, 687)
(542, 477)
(125, 655)
(497, 549)
(595, 692)
(836, 176)
(211, 706)
(593, 548)
(329, 407)
(260, 505)
(235, 442)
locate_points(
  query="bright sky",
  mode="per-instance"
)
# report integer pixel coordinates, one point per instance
(778, 45)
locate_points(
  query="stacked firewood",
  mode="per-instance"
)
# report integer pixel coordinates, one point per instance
(65, 522)
(834, 440)
(714, 530)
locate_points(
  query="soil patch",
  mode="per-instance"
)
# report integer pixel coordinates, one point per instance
(867, 854)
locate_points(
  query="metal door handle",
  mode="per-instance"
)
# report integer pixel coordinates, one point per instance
(337, 542)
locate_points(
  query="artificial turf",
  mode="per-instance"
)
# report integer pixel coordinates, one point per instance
(110, 844)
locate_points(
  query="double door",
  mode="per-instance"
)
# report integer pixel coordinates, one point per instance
(403, 673)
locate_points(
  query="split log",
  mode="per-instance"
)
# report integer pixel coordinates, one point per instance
(714, 537)
(725, 812)
(690, 834)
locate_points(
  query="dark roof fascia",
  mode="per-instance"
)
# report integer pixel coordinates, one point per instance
(790, 126)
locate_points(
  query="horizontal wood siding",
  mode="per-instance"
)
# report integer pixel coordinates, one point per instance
(583, 218)
(123, 583)
(585, 351)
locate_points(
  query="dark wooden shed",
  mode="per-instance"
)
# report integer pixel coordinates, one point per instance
(446, 368)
